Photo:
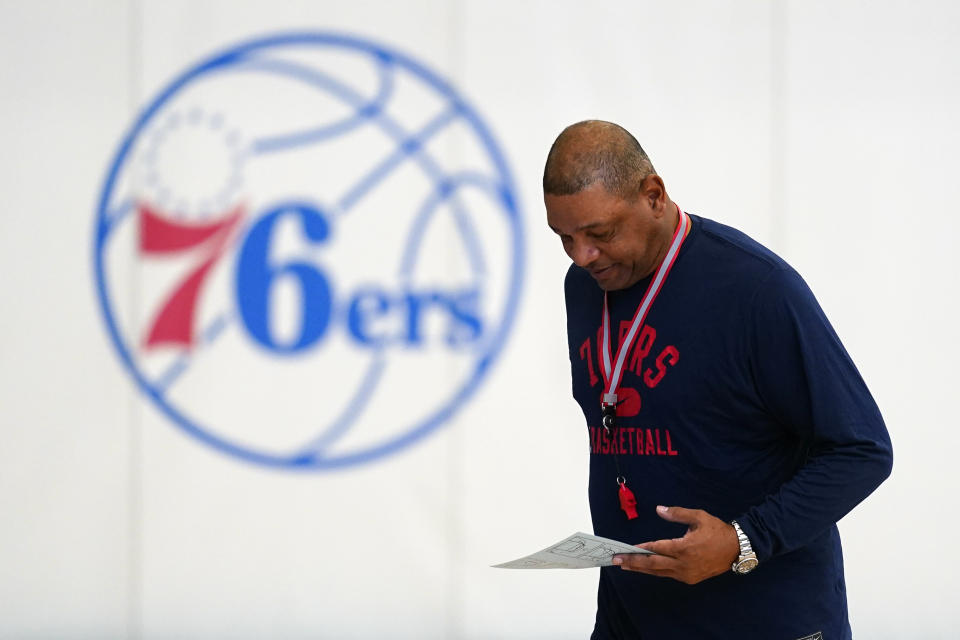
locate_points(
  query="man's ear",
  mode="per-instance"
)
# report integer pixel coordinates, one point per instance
(655, 193)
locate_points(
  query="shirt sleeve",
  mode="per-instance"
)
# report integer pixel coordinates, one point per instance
(807, 381)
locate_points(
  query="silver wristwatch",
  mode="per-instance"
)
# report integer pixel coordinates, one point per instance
(747, 561)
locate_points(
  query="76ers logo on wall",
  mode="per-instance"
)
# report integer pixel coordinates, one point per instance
(308, 251)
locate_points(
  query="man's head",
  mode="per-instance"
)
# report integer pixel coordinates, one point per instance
(607, 204)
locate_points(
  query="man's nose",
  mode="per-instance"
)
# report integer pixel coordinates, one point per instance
(584, 253)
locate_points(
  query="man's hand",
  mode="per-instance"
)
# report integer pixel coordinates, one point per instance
(708, 549)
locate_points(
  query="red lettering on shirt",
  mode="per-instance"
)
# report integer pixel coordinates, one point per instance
(599, 345)
(668, 357)
(586, 353)
(631, 441)
(648, 450)
(592, 354)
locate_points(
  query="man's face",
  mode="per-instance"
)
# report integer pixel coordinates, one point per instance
(617, 241)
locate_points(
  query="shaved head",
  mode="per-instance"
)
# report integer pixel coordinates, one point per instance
(596, 151)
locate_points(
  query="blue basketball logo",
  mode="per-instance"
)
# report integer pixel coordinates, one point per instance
(308, 251)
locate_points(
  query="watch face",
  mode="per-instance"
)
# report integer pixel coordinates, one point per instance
(746, 565)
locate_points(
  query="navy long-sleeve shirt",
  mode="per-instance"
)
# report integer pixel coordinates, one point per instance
(737, 398)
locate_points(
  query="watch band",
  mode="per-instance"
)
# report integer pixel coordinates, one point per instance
(747, 561)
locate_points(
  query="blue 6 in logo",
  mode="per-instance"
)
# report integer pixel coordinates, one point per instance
(308, 251)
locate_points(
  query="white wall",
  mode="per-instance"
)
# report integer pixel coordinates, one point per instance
(827, 130)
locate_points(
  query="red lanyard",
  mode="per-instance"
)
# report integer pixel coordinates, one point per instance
(612, 379)
(612, 382)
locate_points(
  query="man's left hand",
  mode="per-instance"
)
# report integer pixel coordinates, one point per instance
(708, 549)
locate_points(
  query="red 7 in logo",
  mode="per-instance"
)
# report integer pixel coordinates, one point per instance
(174, 323)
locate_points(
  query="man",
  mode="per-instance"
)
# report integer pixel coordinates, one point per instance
(727, 424)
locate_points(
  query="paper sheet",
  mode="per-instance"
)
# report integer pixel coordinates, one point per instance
(579, 551)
